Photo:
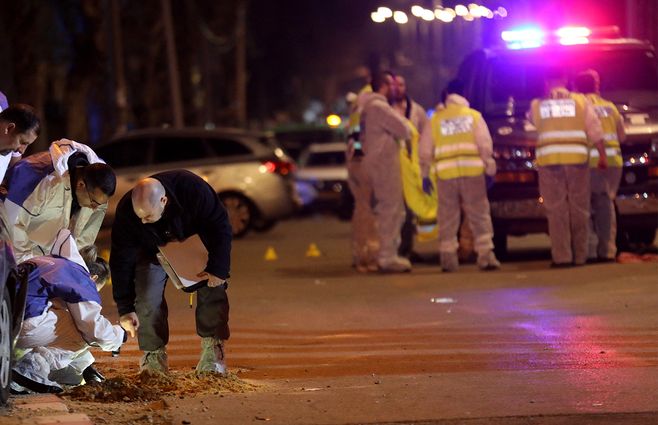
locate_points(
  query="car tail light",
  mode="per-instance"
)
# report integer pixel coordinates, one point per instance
(283, 168)
(515, 177)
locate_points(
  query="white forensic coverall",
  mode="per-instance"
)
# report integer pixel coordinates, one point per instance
(40, 197)
(62, 319)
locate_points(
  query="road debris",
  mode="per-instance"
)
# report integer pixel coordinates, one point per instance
(443, 300)
(150, 387)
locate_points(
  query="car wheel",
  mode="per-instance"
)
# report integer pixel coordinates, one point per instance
(635, 239)
(240, 213)
(500, 243)
(5, 345)
(263, 225)
(345, 208)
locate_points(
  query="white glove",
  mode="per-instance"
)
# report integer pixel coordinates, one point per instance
(490, 167)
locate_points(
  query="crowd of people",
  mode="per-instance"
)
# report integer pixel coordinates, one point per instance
(53, 205)
(578, 160)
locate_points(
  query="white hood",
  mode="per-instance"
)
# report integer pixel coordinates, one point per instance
(456, 99)
(61, 151)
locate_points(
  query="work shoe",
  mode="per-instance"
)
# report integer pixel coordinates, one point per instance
(449, 261)
(22, 384)
(488, 261)
(90, 374)
(366, 267)
(154, 362)
(395, 265)
(212, 356)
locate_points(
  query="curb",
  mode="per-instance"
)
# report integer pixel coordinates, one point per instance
(50, 403)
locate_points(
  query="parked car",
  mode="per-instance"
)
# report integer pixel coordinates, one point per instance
(322, 178)
(500, 82)
(252, 175)
(295, 139)
(13, 291)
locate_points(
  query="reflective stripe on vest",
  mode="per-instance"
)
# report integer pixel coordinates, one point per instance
(607, 113)
(560, 123)
(562, 135)
(594, 153)
(455, 152)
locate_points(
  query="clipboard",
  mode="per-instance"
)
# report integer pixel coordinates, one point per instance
(182, 270)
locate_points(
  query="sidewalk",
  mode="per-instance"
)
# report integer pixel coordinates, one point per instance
(40, 409)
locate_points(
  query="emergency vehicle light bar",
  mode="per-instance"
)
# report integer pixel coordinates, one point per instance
(525, 38)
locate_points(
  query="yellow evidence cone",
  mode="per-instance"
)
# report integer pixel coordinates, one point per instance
(270, 254)
(313, 251)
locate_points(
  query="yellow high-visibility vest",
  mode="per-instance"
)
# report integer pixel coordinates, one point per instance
(608, 114)
(561, 136)
(455, 151)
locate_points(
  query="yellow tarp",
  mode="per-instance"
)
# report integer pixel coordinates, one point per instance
(422, 204)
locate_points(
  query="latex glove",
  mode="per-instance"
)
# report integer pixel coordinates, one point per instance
(130, 323)
(490, 167)
(489, 181)
(427, 185)
(213, 281)
(603, 163)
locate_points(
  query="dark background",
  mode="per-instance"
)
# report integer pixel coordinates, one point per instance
(68, 57)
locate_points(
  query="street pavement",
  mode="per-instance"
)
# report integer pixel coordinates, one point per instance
(327, 345)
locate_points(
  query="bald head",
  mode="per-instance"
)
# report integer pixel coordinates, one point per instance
(149, 200)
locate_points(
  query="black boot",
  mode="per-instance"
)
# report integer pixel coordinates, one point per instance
(34, 386)
(92, 375)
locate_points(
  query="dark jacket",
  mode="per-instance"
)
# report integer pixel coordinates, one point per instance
(192, 208)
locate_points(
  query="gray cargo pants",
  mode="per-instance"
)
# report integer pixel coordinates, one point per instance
(365, 244)
(386, 184)
(151, 308)
(470, 195)
(603, 230)
(566, 193)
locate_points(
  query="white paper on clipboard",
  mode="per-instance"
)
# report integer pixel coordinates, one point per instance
(183, 261)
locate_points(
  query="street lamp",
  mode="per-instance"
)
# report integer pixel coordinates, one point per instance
(385, 12)
(400, 17)
(377, 17)
(468, 13)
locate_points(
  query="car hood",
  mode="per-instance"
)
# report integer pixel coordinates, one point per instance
(322, 173)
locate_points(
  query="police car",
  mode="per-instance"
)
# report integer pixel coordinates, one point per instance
(500, 82)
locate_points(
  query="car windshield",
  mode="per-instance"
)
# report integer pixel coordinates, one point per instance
(514, 80)
(325, 159)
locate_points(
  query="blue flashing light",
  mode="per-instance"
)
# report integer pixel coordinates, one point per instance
(523, 38)
(523, 34)
(530, 37)
(525, 44)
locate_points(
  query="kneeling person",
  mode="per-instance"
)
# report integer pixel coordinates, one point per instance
(62, 321)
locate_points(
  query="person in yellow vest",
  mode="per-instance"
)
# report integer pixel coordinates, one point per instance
(604, 182)
(365, 244)
(567, 127)
(457, 142)
(412, 111)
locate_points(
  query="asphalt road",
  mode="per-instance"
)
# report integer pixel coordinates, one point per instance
(328, 345)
